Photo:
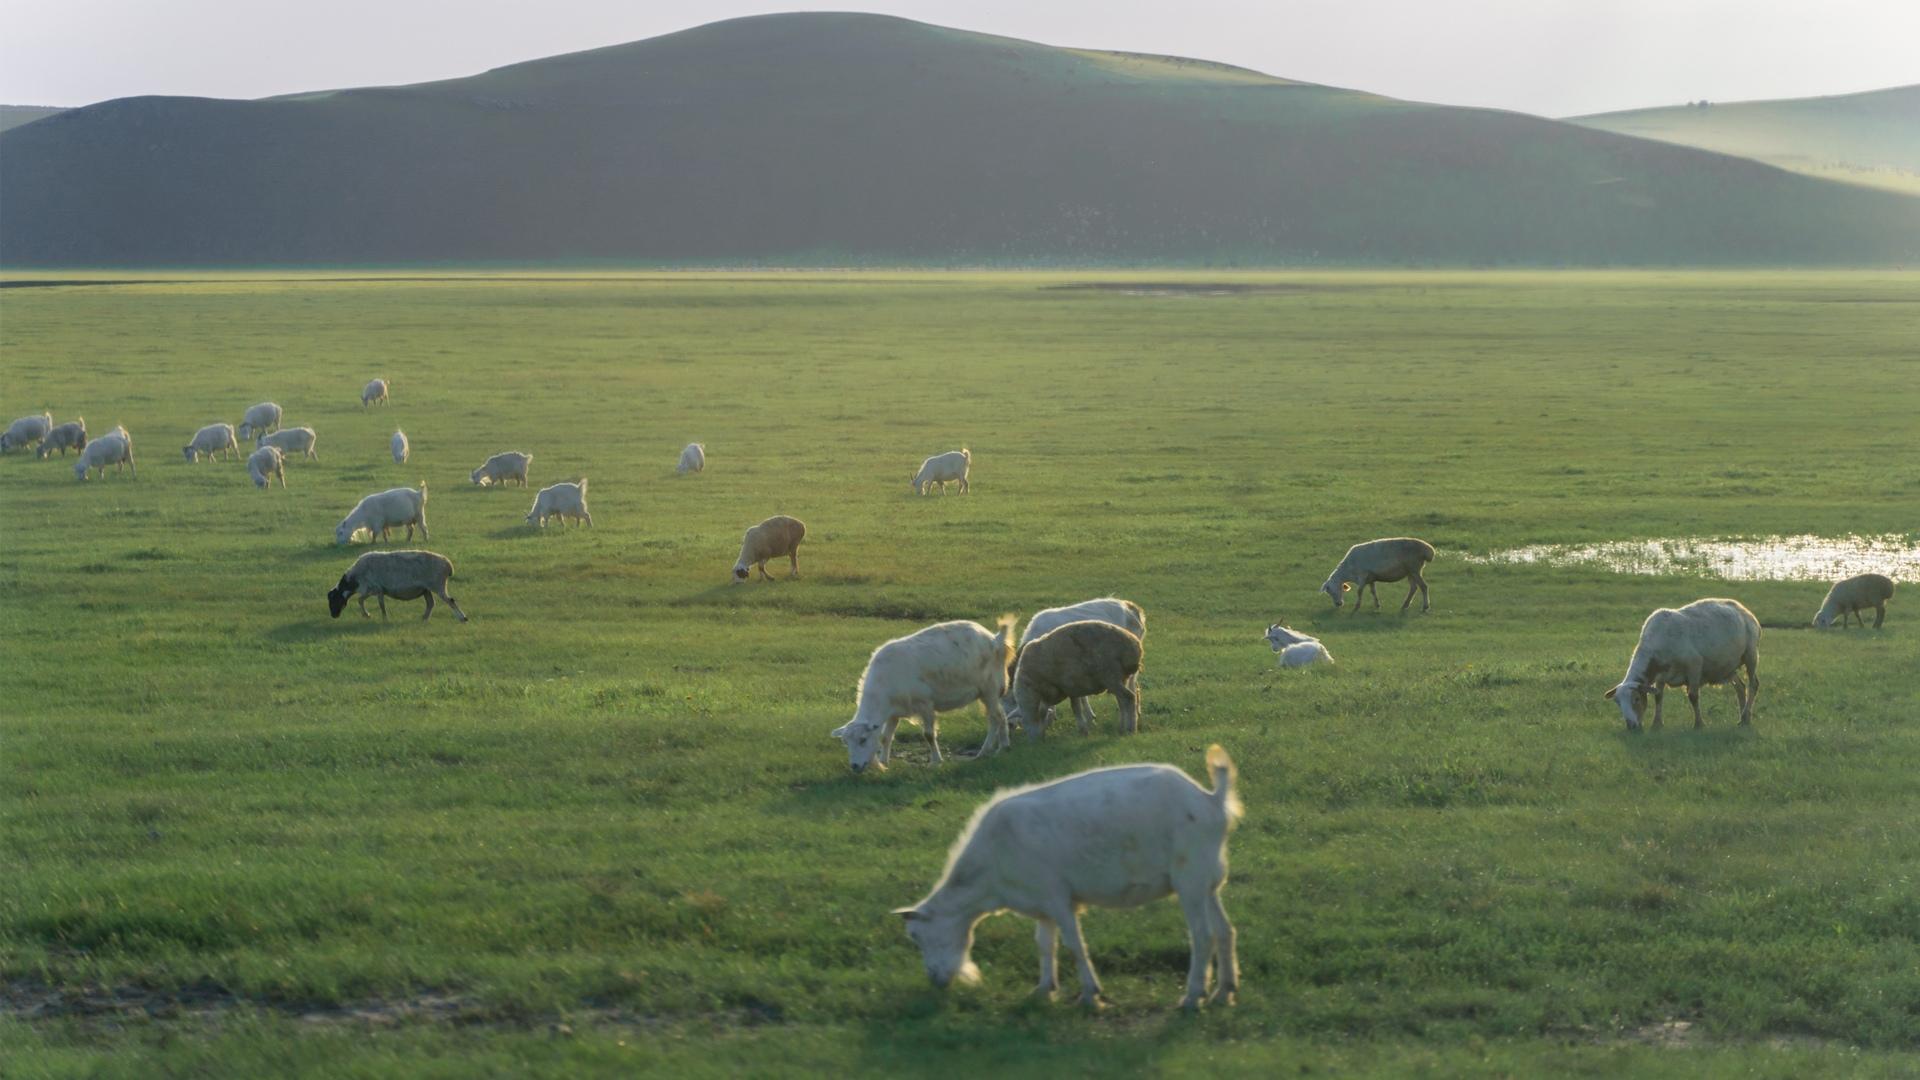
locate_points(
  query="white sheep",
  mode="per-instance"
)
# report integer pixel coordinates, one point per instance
(1854, 595)
(1078, 660)
(1296, 649)
(692, 459)
(71, 435)
(946, 666)
(384, 511)
(1397, 559)
(564, 501)
(265, 463)
(502, 467)
(1122, 613)
(260, 419)
(1116, 837)
(778, 535)
(1703, 644)
(403, 575)
(943, 469)
(212, 440)
(26, 431)
(115, 448)
(399, 446)
(375, 393)
(299, 440)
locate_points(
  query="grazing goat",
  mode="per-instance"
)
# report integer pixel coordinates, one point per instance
(115, 448)
(266, 463)
(299, 440)
(71, 435)
(692, 459)
(502, 467)
(26, 431)
(1703, 644)
(943, 469)
(1108, 609)
(398, 444)
(564, 501)
(946, 666)
(374, 393)
(382, 512)
(1116, 837)
(212, 440)
(259, 420)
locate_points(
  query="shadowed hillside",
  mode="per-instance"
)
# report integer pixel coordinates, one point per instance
(811, 139)
(1871, 138)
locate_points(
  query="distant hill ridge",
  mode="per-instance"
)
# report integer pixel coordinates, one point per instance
(1867, 138)
(860, 139)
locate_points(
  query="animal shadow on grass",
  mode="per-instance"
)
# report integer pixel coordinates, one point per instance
(322, 628)
(961, 781)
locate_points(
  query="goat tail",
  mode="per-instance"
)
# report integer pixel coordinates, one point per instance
(1004, 639)
(1221, 766)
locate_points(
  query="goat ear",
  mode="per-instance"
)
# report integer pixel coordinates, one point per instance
(1612, 692)
(908, 913)
(840, 732)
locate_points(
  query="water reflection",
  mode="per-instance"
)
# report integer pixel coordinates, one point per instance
(1766, 558)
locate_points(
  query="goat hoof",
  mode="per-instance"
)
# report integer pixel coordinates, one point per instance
(1222, 998)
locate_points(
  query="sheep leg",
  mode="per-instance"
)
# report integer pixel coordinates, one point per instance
(1129, 698)
(793, 558)
(764, 576)
(1751, 662)
(1200, 947)
(1413, 586)
(364, 613)
(1374, 588)
(964, 489)
(1046, 938)
(588, 517)
(998, 737)
(1069, 922)
(1659, 699)
(930, 722)
(383, 607)
(1693, 699)
(1879, 614)
(1083, 712)
(429, 614)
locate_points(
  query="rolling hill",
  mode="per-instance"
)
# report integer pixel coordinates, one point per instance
(866, 140)
(1870, 138)
(12, 116)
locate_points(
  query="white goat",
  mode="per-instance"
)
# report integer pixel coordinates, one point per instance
(692, 459)
(399, 446)
(502, 467)
(1122, 613)
(1115, 837)
(403, 575)
(1703, 644)
(944, 469)
(266, 463)
(1296, 649)
(1396, 559)
(212, 440)
(26, 431)
(299, 440)
(946, 666)
(115, 448)
(375, 393)
(384, 511)
(564, 501)
(259, 420)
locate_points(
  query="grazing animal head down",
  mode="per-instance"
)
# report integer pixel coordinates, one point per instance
(740, 573)
(1328, 588)
(946, 945)
(862, 740)
(343, 532)
(1632, 703)
(338, 595)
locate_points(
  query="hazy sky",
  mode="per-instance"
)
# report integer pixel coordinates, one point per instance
(1554, 57)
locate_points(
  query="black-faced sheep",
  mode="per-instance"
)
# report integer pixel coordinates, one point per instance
(403, 575)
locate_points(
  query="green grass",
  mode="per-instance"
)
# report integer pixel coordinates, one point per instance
(609, 801)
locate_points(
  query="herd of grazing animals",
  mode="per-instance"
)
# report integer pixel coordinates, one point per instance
(1111, 837)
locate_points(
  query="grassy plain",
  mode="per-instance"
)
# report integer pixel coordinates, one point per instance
(602, 826)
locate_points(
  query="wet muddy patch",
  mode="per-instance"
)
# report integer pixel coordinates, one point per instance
(1764, 558)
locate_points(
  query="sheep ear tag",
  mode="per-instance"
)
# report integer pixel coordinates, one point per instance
(1346, 586)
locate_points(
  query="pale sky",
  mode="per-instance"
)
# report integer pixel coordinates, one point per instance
(1552, 57)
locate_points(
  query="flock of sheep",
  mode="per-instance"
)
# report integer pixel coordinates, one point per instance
(1110, 837)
